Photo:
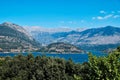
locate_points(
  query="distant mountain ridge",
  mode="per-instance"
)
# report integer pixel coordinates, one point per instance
(13, 36)
(108, 35)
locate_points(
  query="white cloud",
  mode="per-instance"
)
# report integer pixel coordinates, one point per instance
(116, 16)
(102, 12)
(103, 17)
(108, 16)
(99, 17)
(112, 14)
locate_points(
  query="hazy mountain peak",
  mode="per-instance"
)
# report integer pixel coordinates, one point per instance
(9, 24)
(109, 26)
(16, 27)
(12, 25)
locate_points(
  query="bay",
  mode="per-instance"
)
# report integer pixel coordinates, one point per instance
(77, 58)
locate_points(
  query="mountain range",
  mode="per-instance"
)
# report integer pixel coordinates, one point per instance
(13, 36)
(94, 38)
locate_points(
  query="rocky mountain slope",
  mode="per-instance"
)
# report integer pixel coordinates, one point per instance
(13, 37)
(88, 38)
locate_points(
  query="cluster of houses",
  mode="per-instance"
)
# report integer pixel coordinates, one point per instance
(18, 50)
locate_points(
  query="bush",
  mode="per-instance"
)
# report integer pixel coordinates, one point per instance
(47, 68)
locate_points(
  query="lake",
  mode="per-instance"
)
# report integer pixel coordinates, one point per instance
(77, 58)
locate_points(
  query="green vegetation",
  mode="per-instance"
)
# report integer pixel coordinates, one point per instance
(47, 68)
(60, 47)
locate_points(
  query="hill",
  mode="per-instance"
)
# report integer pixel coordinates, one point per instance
(61, 47)
(14, 38)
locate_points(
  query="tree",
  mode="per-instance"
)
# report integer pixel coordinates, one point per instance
(105, 68)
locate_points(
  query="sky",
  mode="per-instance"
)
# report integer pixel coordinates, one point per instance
(61, 13)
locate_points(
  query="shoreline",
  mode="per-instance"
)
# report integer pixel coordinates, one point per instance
(40, 52)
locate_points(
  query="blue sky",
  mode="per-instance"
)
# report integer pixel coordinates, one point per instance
(61, 13)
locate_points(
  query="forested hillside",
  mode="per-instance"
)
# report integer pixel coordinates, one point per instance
(60, 47)
(47, 68)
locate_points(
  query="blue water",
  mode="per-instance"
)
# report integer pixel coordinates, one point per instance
(78, 58)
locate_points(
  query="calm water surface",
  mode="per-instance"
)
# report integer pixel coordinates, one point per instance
(78, 58)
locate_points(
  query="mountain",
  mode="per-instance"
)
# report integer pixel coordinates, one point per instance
(15, 38)
(95, 36)
(61, 47)
(89, 38)
(43, 38)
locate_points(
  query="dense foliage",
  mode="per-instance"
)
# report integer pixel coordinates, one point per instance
(47, 68)
(38, 68)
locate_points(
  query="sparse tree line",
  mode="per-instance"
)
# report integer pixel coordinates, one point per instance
(48, 68)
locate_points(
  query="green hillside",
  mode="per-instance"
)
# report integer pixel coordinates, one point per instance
(61, 47)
